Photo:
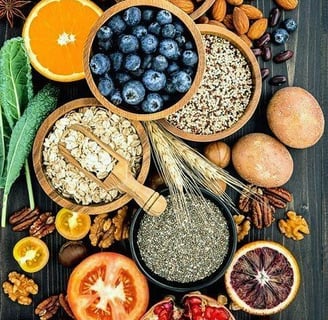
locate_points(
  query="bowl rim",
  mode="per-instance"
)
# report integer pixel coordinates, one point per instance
(43, 180)
(190, 286)
(255, 97)
(190, 26)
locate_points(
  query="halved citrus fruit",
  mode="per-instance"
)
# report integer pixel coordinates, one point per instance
(54, 34)
(263, 277)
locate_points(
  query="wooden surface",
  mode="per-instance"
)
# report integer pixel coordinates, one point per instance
(308, 184)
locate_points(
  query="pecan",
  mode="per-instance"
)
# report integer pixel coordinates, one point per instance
(64, 304)
(43, 225)
(47, 308)
(278, 197)
(262, 213)
(23, 218)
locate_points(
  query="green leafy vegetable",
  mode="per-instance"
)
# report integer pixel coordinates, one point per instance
(23, 134)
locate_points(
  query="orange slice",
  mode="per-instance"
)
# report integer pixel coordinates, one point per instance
(54, 34)
(263, 278)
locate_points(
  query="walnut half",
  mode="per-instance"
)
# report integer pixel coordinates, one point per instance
(294, 227)
(243, 226)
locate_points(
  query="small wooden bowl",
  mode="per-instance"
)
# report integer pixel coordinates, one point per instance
(190, 26)
(254, 100)
(206, 5)
(46, 185)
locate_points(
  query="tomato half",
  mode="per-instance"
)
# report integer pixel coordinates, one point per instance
(31, 253)
(72, 225)
(107, 286)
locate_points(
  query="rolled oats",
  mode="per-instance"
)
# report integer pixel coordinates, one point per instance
(114, 130)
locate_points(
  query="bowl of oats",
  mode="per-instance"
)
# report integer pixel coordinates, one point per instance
(228, 94)
(63, 181)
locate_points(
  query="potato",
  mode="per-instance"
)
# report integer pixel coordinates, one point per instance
(262, 160)
(295, 117)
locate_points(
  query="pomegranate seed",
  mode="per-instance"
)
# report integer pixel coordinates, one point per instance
(209, 312)
(220, 314)
(194, 300)
(158, 309)
(196, 310)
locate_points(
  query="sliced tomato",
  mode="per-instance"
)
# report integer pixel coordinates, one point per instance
(31, 253)
(72, 225)
(107, 286)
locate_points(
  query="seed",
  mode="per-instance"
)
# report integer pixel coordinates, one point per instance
(265, 73)
(283, 56)
(266, 53)
(265, 39)
(274, 17)
(278, 80)
(257, 51)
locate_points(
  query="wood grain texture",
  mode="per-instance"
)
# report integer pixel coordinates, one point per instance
(309, 183)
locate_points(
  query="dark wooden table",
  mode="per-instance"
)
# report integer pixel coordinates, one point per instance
(307, 69)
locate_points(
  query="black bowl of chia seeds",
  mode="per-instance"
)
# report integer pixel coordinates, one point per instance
(184, 251)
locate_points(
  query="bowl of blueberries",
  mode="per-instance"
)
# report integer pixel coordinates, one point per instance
(144, 59)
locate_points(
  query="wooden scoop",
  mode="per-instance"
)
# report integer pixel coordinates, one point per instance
(121, 177)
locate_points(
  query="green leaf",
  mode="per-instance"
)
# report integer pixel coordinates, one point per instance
(16, 79)
(23, 135)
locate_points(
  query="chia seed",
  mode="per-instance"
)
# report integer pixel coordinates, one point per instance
(224, 93)
(184, 254)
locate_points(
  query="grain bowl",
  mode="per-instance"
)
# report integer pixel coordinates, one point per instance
(184, 257)
(144, 60)
(67, 185)
(228, 94)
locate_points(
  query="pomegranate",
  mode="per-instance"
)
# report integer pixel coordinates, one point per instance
(195, 306)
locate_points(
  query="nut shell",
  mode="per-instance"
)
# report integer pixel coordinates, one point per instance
(219, 153)
(295, 117)
(262, 160)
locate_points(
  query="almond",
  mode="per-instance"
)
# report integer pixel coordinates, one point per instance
(227, 21)
(287, 4)
(252, 12)
(240, 21)
(185, 5)
(247, 40)
(257, 29)
(235, 2)
(217, 23)
(219, 10)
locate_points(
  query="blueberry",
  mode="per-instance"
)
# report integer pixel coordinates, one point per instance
(106, 86)
(179, 28)
(280, 36)
(149, 43)
(169, 49)
(173, 67)
(180, 40)
(122, 77)
(168, 31)
(105, 45)
(104, 33)
(146, 62)
(133, 92)
(137, 73)
(116, 97)
(148, 15)
(153, 103)
(132, 16)
(154, 80)
(117, 60)
(132, 62)
(189, 70)
(181, 81)
(159, 63)
(166, 97)
(139, 31)
(189, 57)
(164, 17)
(117, 24)
(128, 43)
(99, 63)
(289, 24)
(169, 87)
(189, 45)
(154, 28)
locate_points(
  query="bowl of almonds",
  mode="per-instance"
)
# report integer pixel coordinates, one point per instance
(71, 167)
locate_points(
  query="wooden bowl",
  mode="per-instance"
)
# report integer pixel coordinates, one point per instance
(202, 9)
(254, 99)
(190, 27)
(47, 186)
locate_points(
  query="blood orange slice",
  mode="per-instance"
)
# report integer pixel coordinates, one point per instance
(263, 277)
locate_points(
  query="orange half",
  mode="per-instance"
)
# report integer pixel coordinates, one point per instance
(54, 34)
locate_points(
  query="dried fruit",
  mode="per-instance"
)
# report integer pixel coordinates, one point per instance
(294, 227)
(185, 5)
(219, 153)
(257, 29)
(252, 12)
(240, 21)
(263, 277)
(219, 10)
(287, 4)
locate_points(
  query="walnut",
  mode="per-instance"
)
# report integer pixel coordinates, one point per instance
(47, 308)
(19, 287)
(294, 227)
(243, 225)
(105, 230)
